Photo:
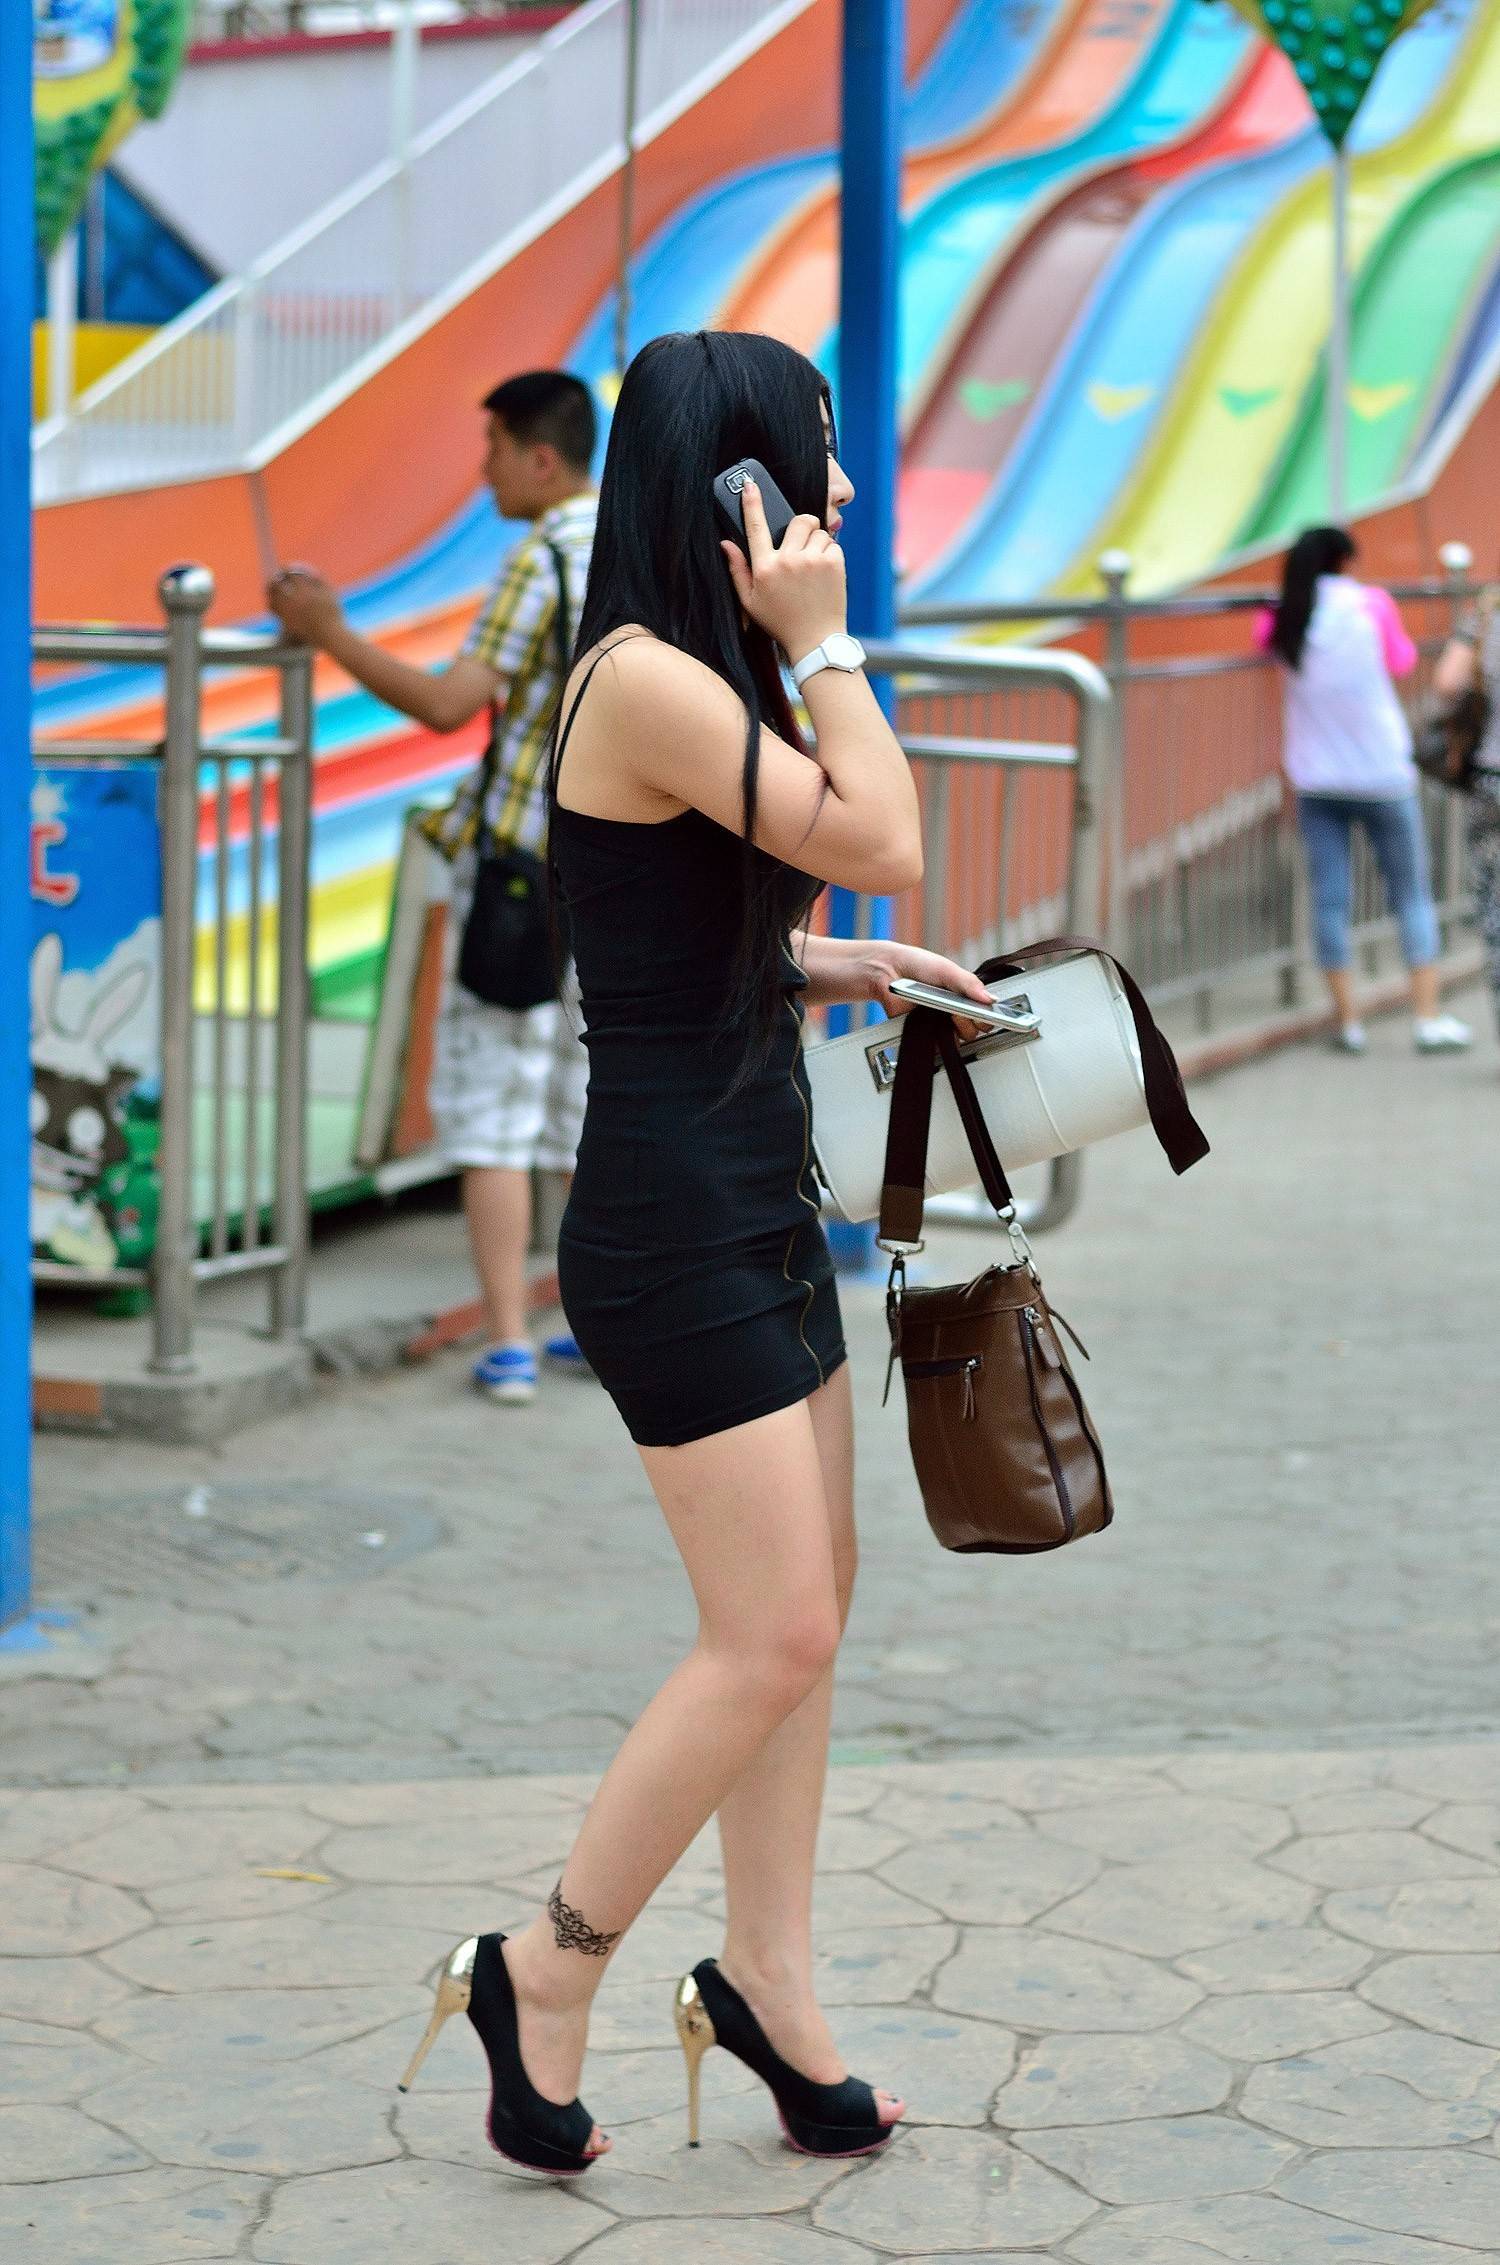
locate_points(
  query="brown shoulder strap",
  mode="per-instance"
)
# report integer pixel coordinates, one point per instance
(1181, 1136)
(927, 1037)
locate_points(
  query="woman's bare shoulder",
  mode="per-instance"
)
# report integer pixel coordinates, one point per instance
(648, 704)
(649, 699)
(635, 663)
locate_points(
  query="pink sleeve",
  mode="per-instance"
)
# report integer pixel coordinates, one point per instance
(1264, 623)
(1399, 652)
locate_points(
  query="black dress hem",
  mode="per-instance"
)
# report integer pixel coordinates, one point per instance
(768, 1403)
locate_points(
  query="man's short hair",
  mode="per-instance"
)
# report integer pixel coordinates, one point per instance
(551, 406)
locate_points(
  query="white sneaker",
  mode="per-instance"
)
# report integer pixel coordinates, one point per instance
(1349, 1038)
(1441, 1034)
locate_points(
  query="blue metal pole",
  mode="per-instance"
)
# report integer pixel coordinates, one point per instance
(869, 441)
(869, 284)
(16, 253)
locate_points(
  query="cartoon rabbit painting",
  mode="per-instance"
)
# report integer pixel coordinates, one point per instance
(78, 1092)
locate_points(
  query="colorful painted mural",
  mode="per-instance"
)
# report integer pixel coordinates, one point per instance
(95, 1014)
(98, 68)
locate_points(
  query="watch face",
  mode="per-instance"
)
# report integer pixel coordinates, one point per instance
(844, 651)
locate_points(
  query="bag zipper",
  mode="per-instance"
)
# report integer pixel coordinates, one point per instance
(967, 1367)
(1028, 1320)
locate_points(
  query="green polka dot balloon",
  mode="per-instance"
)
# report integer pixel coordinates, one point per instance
(1334, 47)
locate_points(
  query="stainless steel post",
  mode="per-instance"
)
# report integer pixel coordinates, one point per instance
(245, 397)
(1457, 562)
(1114, 573)
(1337, 406)
(1095, 751)
(1093, 792)
(1086, 909)
(293, 862)
(623, 292)
(186, 594)
(936, 829)
(62, 325)
(406, 56)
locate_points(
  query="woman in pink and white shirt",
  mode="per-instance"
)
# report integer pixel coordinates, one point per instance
(1347, 753)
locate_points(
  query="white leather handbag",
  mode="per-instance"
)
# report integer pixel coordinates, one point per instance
(1067, 1071)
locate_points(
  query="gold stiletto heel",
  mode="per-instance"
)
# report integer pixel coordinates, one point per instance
(455, 1986)
(834, 2120)
(695, 2033)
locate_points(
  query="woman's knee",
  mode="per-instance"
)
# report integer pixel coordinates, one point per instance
(806, 1647)
(781, 1662)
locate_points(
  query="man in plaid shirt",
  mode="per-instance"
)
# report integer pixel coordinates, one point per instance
(508, 1088)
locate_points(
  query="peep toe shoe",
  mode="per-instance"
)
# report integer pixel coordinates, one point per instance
(521, 2125)
(818, 2119)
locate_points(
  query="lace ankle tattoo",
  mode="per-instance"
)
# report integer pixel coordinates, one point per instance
(573, 1932)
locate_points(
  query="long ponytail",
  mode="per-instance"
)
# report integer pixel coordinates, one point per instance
(1316, 552)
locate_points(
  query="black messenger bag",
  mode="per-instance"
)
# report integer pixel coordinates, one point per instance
(505, 954)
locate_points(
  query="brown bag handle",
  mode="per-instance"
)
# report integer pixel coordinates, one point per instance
(928, 1035)
(1182, 1137)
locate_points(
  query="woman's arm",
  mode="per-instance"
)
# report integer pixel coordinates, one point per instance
(856, 971)
(1397, 649)
(1456, 669)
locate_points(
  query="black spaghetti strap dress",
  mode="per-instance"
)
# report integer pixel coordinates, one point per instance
(692, 1262)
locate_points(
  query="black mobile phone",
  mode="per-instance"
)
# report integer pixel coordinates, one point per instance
(779, 513)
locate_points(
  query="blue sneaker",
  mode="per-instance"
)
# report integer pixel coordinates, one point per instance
(565, 1353)
(507, 1373)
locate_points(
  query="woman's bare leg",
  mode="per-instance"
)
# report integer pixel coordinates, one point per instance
(1426, 1000)
(1341, 991)
(747, 1511)
(768, 1822)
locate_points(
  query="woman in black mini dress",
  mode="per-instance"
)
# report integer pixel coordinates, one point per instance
(692, 832)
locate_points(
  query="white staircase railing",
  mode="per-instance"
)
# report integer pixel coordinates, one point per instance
(268, 352)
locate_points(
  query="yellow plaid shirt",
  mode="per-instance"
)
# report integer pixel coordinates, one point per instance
(515, 634)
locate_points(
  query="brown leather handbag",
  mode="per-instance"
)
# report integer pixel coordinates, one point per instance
(1006, 1456)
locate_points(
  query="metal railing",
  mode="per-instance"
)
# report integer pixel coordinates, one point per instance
(235, 827)
(1204, 881)
(265, 352)
(1014, 754)
(252, 20)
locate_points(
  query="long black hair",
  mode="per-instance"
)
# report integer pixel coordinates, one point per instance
(692, 404)
(1317, 551)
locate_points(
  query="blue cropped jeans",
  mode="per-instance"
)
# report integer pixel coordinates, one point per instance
(1393, 827)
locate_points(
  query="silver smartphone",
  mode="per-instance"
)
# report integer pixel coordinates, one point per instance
(997, 1016)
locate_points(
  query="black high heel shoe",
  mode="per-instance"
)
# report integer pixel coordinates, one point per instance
(818, 2119)
(521, 2125)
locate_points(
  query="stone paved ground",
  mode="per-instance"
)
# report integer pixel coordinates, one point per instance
(1216, 2006)
(1163, 1875)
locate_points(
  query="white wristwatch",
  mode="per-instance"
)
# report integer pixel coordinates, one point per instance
(839, 651)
